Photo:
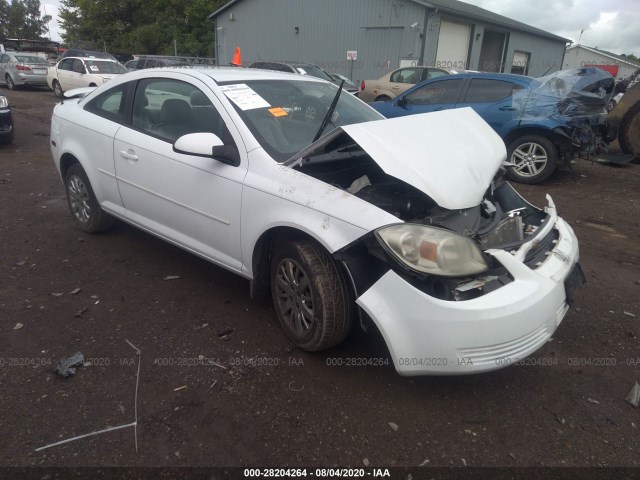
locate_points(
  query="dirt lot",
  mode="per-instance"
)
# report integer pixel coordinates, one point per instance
(267, 403)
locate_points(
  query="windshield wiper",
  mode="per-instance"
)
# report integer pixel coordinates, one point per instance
(325, 120)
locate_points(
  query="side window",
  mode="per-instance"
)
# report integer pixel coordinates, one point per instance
(169, 109)
(110, 104)
(66, 64)
(4, 58)
(445, 91)
(484, 90)
(406, 75)
(78, 66)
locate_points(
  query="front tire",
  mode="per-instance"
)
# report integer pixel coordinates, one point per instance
(534, 157)
(57, 89)
(310, 295)
(84, 206)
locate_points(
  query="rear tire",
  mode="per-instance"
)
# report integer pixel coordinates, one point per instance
(310, 295)
(383, 98)
(10, 84)
(83, 204)
(535, 158)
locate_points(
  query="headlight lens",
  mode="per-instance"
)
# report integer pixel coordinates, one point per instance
(4, 102)
(433, 250)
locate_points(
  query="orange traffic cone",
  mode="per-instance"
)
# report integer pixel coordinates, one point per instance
(237, 58)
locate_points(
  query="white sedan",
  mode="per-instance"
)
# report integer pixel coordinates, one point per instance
(78, 72)
(342, 220)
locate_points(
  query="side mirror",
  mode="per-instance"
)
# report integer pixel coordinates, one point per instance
(206, 144)
(401, 102)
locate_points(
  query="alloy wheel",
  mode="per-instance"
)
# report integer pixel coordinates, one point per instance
(293, 295)
(529, 159)
(79, 199)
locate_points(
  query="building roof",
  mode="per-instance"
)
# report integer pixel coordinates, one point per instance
(614, 56)
(458, 8)
(467, 10)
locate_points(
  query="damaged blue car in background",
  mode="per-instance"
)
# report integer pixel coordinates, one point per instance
(545, 122)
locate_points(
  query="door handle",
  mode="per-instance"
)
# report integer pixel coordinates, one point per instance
(128, 156)
(507, 109)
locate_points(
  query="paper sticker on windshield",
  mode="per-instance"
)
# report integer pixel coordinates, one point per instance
(277, 112)
(244, 97)
(94, 68)
(302, 71)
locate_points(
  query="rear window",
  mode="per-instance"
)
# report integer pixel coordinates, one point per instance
(31, 59)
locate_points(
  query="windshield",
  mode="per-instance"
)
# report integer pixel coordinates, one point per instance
(284, 115)
(32, 59)
(101, 66)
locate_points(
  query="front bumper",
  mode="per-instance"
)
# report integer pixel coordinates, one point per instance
(430, 336)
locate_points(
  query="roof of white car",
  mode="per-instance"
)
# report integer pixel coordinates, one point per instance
(89, 58)
(235, 74)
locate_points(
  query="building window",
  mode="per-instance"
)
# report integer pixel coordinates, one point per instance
(520, 63)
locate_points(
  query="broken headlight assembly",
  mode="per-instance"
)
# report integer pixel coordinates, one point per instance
(433, 251)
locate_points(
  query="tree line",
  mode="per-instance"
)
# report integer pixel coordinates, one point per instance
(22, 19)
(140, 26)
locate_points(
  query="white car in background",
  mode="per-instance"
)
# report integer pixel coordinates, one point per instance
(78, 72)
(342, 220)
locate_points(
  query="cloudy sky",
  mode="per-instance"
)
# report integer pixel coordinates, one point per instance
(608, 24)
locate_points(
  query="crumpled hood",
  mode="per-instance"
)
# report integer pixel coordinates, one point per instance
(451, 155)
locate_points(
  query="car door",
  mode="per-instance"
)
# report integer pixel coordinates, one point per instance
(429, 97)
(63, 73)
(77, 74)
(492, 99)
(190, 200)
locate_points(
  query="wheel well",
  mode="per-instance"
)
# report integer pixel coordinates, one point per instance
(92, 84)
(261, 258)
(66, 161)
(549, 135)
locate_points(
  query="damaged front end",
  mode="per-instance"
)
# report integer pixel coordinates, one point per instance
(577, 100)
(471, 271)
(503, 221)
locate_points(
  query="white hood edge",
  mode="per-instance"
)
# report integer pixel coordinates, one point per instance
(451, 155)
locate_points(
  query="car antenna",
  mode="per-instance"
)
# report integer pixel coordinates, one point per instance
(326, 118)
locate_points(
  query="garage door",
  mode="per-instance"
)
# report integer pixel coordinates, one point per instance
(453, 45)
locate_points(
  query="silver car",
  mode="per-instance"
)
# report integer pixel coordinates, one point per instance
(20, 68)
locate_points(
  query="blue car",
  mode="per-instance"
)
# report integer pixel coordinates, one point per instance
(545, 122)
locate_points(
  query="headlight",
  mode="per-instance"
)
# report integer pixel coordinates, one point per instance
(433, 250)
(4, 102)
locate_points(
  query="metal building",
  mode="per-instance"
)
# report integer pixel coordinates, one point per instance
(579, 56)
(367, 38)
